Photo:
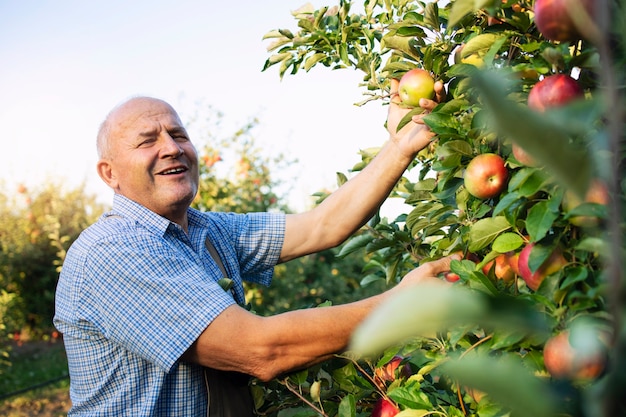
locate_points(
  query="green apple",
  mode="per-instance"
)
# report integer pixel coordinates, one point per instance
(414, 85)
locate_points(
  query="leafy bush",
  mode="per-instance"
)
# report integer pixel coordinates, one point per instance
(38, 227)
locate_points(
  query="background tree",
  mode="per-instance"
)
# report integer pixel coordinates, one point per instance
(490, 55)
(36, 230)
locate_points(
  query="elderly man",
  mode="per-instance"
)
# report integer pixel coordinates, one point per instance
(148, 329)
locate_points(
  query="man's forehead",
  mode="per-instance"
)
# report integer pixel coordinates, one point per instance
(145, 110)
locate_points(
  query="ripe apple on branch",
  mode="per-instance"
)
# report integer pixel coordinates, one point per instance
(551, 265)
(564, 20)
(552, 91)
(485, 176)
(384, 408)
(563, 359)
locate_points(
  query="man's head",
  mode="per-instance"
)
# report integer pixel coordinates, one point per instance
(146, 155)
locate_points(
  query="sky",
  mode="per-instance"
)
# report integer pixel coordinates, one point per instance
(66, 63)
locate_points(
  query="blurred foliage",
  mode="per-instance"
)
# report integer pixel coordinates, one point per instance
(489, 54)
(37, 228)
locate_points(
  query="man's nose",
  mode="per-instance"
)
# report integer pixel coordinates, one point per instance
(170, 148)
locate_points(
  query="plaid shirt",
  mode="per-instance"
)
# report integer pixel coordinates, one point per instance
(136, 291)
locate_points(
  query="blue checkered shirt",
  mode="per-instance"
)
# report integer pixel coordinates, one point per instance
(136, 291)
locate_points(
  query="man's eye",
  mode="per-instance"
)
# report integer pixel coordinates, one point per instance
(145, 143)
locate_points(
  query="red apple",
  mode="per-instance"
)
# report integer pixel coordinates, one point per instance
(554, 91)
(514, 262)
(556, 19)
(387, 372)
(452, 277)
(384, 408)
(562, 360)
(502, 267)
(485, 176)
(533, 279)
(596, 193)
(414, 85)
(522, 156)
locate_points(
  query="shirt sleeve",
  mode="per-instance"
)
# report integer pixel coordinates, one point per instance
(253, 241)
(148, 296)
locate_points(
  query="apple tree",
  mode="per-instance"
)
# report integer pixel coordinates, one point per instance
(525, 178)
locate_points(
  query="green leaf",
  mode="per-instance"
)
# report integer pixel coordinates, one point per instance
(410, 397)
(313, 59)
(538, 256)
(505, 202)
(408, 117)
(461, 8)
(504, 338)
(272, 34)
(455, 147)
(354, 244)
(588, 209)
(437, 121)
(539, 220)
(347, 406)
(484, 231)
(431, 16)
(427, 184)
(480, 44)
(593, 245)
(575, 274)
(507, 242)
(480, 282)
(399, 43)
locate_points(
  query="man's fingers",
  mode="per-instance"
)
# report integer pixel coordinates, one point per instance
(395, 98)
(440, 91)
(438, 266)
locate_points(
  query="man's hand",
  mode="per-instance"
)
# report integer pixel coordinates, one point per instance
(415, 135)
(428, 272)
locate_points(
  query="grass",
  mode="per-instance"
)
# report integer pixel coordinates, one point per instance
(33, 364)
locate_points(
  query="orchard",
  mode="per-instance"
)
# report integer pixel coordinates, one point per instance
(535, 89)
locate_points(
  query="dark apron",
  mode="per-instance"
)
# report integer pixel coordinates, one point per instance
(229, 394)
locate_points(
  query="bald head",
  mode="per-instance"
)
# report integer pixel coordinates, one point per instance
(121, 114)
(147, 156)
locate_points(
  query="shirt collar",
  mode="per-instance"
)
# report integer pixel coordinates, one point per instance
(131, 210)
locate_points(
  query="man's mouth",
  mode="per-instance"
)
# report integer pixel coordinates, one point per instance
(171, 171)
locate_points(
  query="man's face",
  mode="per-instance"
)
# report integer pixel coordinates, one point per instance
(152, 160)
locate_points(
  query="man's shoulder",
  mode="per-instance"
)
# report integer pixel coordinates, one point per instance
(113, 228)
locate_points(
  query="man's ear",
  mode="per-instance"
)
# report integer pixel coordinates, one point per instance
(106, 172)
